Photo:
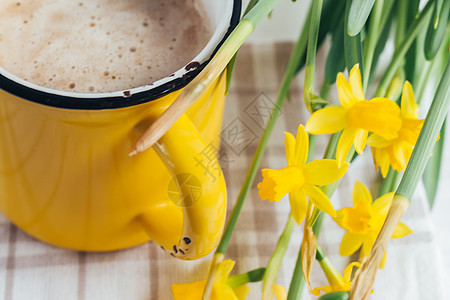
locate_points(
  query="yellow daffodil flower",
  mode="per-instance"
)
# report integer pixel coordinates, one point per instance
(220, 291)
(396, 152)
(300, 179)
(337, 282)
(355, 116)
(364, 220)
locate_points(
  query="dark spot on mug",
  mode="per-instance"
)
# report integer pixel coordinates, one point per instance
(175, 249)
(181, 251)
(187, 240)
(172, 254)
(171, 75)
(162, 248)
(192, 65)
(127, 94)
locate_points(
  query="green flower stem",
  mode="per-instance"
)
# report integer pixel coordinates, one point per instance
(295, 58)
(372, 39)
(390, 183)
(241, 279)
(326, 265)
(427, 138)
(403, 47)
(270, 276)
(308, 89)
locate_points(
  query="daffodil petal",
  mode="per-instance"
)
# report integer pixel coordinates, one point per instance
(299, 205)
(401, 230)
(221, 291)
(381, 159)
(408, 103)
(324, 171)
(350, 244)
(345, 143)
(383, 261)
(224, 269)
(361, 140)
(188, 291)
(349, 269)
(355, 82)
(242, 291)
(279, 291)
(301, 146)
(320, 200)
(316, 291)
(377, 141)
(344, 88)
(361, 193)
(400, 156)
(327, 120)
(289, 146)
(382, 204)
(368, 242)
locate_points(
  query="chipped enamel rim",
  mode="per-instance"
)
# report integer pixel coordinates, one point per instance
(230, 13)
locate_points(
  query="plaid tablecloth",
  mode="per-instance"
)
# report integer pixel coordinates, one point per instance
(30, 269)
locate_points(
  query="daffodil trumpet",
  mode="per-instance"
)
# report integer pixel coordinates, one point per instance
(416, 166)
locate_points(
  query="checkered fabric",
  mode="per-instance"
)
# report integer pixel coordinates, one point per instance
(30, 269)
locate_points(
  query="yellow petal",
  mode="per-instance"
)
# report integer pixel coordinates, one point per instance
(223, 271)
(346, 97)
(378, 115)
(400, 155)
(361, 193)
(188, 291)
(383, 261)
(345, 143)
(381, 159)
(368, 242)
(361, 140)
(355, 82)
(401, 230)
(382, 204)
(289, 148)
(377, 141)
(221, 291)
(350, 244)
(324, 171)
(409, 107)
(320, 200)
(299, 205)
(317, 290)
(242, 291)
(279, 291)
(301, 146)
(349, 269)
(327, 120)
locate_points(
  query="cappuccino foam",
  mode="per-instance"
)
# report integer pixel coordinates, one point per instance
(99, 45)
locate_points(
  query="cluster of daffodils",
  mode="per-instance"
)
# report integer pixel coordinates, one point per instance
(391, 130)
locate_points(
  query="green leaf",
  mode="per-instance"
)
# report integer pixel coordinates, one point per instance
(358, 15)
(352, 44)
(431, 175)
(336, 57)
(336, 296)
(435, 35)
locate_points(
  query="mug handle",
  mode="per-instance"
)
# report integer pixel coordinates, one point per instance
(197, 187)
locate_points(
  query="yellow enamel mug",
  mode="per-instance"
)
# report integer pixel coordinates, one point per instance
(66, 177)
